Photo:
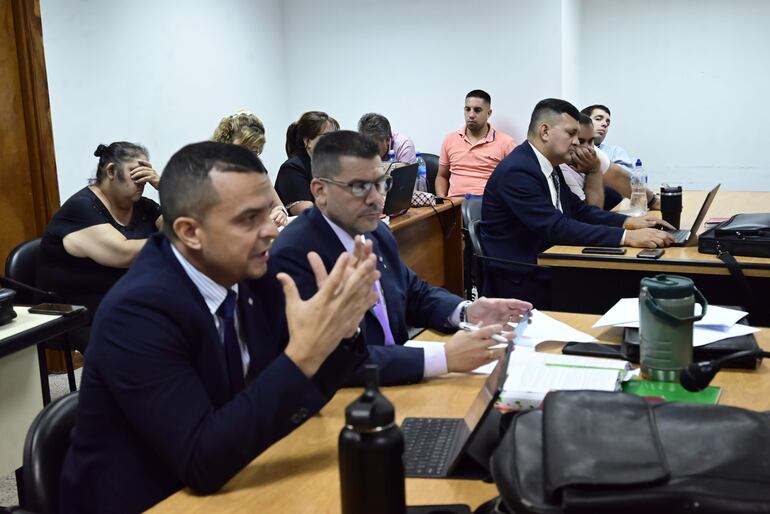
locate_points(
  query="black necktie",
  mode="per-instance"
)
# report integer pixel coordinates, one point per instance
(556, 184)
(232, 349)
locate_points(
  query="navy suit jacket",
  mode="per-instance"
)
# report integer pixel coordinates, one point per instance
(518, 219)
(155, 411)
(410, 300)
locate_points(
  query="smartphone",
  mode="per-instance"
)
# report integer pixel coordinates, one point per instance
(651, 253)
(60, 309)
(606, 350)
(605, 251)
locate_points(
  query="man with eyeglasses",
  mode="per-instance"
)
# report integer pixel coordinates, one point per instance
(349, 185)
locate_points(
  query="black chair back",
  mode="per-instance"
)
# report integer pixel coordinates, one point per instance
(471, 211)
(477, 258)
(44, 450)
(21, 273)
(431, 170)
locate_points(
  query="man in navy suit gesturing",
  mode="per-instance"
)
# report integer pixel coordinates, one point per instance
(197, 360)
(528, 207)
(349, 185)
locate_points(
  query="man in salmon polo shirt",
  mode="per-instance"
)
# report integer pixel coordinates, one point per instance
(469, 155)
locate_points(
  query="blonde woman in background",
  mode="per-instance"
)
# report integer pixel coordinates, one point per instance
(246, 130)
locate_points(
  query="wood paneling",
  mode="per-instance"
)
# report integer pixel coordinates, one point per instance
(29, 194)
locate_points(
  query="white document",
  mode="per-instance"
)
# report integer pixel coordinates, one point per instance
(543, 327)
(531, 375)
(625, 313)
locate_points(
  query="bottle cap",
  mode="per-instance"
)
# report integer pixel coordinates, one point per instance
(418, 154)
(638, 163)
(371, 410)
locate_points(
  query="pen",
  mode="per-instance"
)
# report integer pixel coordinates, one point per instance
(469, 327)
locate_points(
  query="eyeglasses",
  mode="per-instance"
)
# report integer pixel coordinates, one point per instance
(361, 188)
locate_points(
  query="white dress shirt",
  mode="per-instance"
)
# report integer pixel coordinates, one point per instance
(214, 294)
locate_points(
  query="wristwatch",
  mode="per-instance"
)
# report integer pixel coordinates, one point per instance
(464, 311)
(652, 200)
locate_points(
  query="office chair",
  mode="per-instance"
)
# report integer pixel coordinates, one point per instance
(471, 211)
(480, 259)
(431, 170)
(21, 275)
(46, 446)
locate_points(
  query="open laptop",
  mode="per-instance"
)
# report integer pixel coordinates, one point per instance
(399, 197)
(690, 237)
(435, 447)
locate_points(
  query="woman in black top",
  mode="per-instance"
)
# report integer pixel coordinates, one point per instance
(294, 176)
(93, 238)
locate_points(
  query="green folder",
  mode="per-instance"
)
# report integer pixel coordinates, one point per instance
(672, 391)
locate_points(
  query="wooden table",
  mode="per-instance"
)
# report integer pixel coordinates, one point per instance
(299, 474)
(611, 277)
(430, 243)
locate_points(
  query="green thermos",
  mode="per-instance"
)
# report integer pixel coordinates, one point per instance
(666, 316)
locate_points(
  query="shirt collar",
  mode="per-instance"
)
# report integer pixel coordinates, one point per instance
(490, 133)
(545, 165)
(346, 239)
(212, 292)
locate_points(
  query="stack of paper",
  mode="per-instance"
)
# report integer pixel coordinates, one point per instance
(718, 323)
(531, 375)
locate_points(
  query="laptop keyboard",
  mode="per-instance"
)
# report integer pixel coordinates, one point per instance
(680, 236)
(428, 442)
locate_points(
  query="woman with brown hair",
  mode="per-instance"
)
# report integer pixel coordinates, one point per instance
(294, 176)
(245, 129)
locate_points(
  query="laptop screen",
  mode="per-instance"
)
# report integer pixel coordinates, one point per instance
(486, 397)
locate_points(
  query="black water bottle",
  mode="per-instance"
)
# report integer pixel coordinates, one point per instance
(370, 452)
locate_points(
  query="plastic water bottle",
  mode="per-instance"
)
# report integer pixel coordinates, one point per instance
(391, 159)
(421, 184)
(638, 190)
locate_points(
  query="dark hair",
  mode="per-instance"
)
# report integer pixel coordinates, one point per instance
(478, 93)
(549, 108)
(308, 126)
(116, 153)
(585, 120)
(327, 153)
(185, 186)
(375, 126)
(590, 109)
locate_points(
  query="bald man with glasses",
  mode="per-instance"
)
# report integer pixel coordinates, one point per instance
(349, 185)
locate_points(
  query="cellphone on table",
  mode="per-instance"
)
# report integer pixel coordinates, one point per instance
(608, 351)
(60, 309)
(651, 253)
(605, 251)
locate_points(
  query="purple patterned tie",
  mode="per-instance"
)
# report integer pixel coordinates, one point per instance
(381, 313)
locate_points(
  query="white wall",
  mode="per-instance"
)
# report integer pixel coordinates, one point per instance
(414, 61)
(685, 79)
(159, 73)
(687, 83)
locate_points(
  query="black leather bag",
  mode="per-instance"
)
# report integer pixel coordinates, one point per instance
(595, 451)
(743, 234)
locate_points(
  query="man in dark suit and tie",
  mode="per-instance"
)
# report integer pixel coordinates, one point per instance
(349, 186)
(528, 207)
(198, 361)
